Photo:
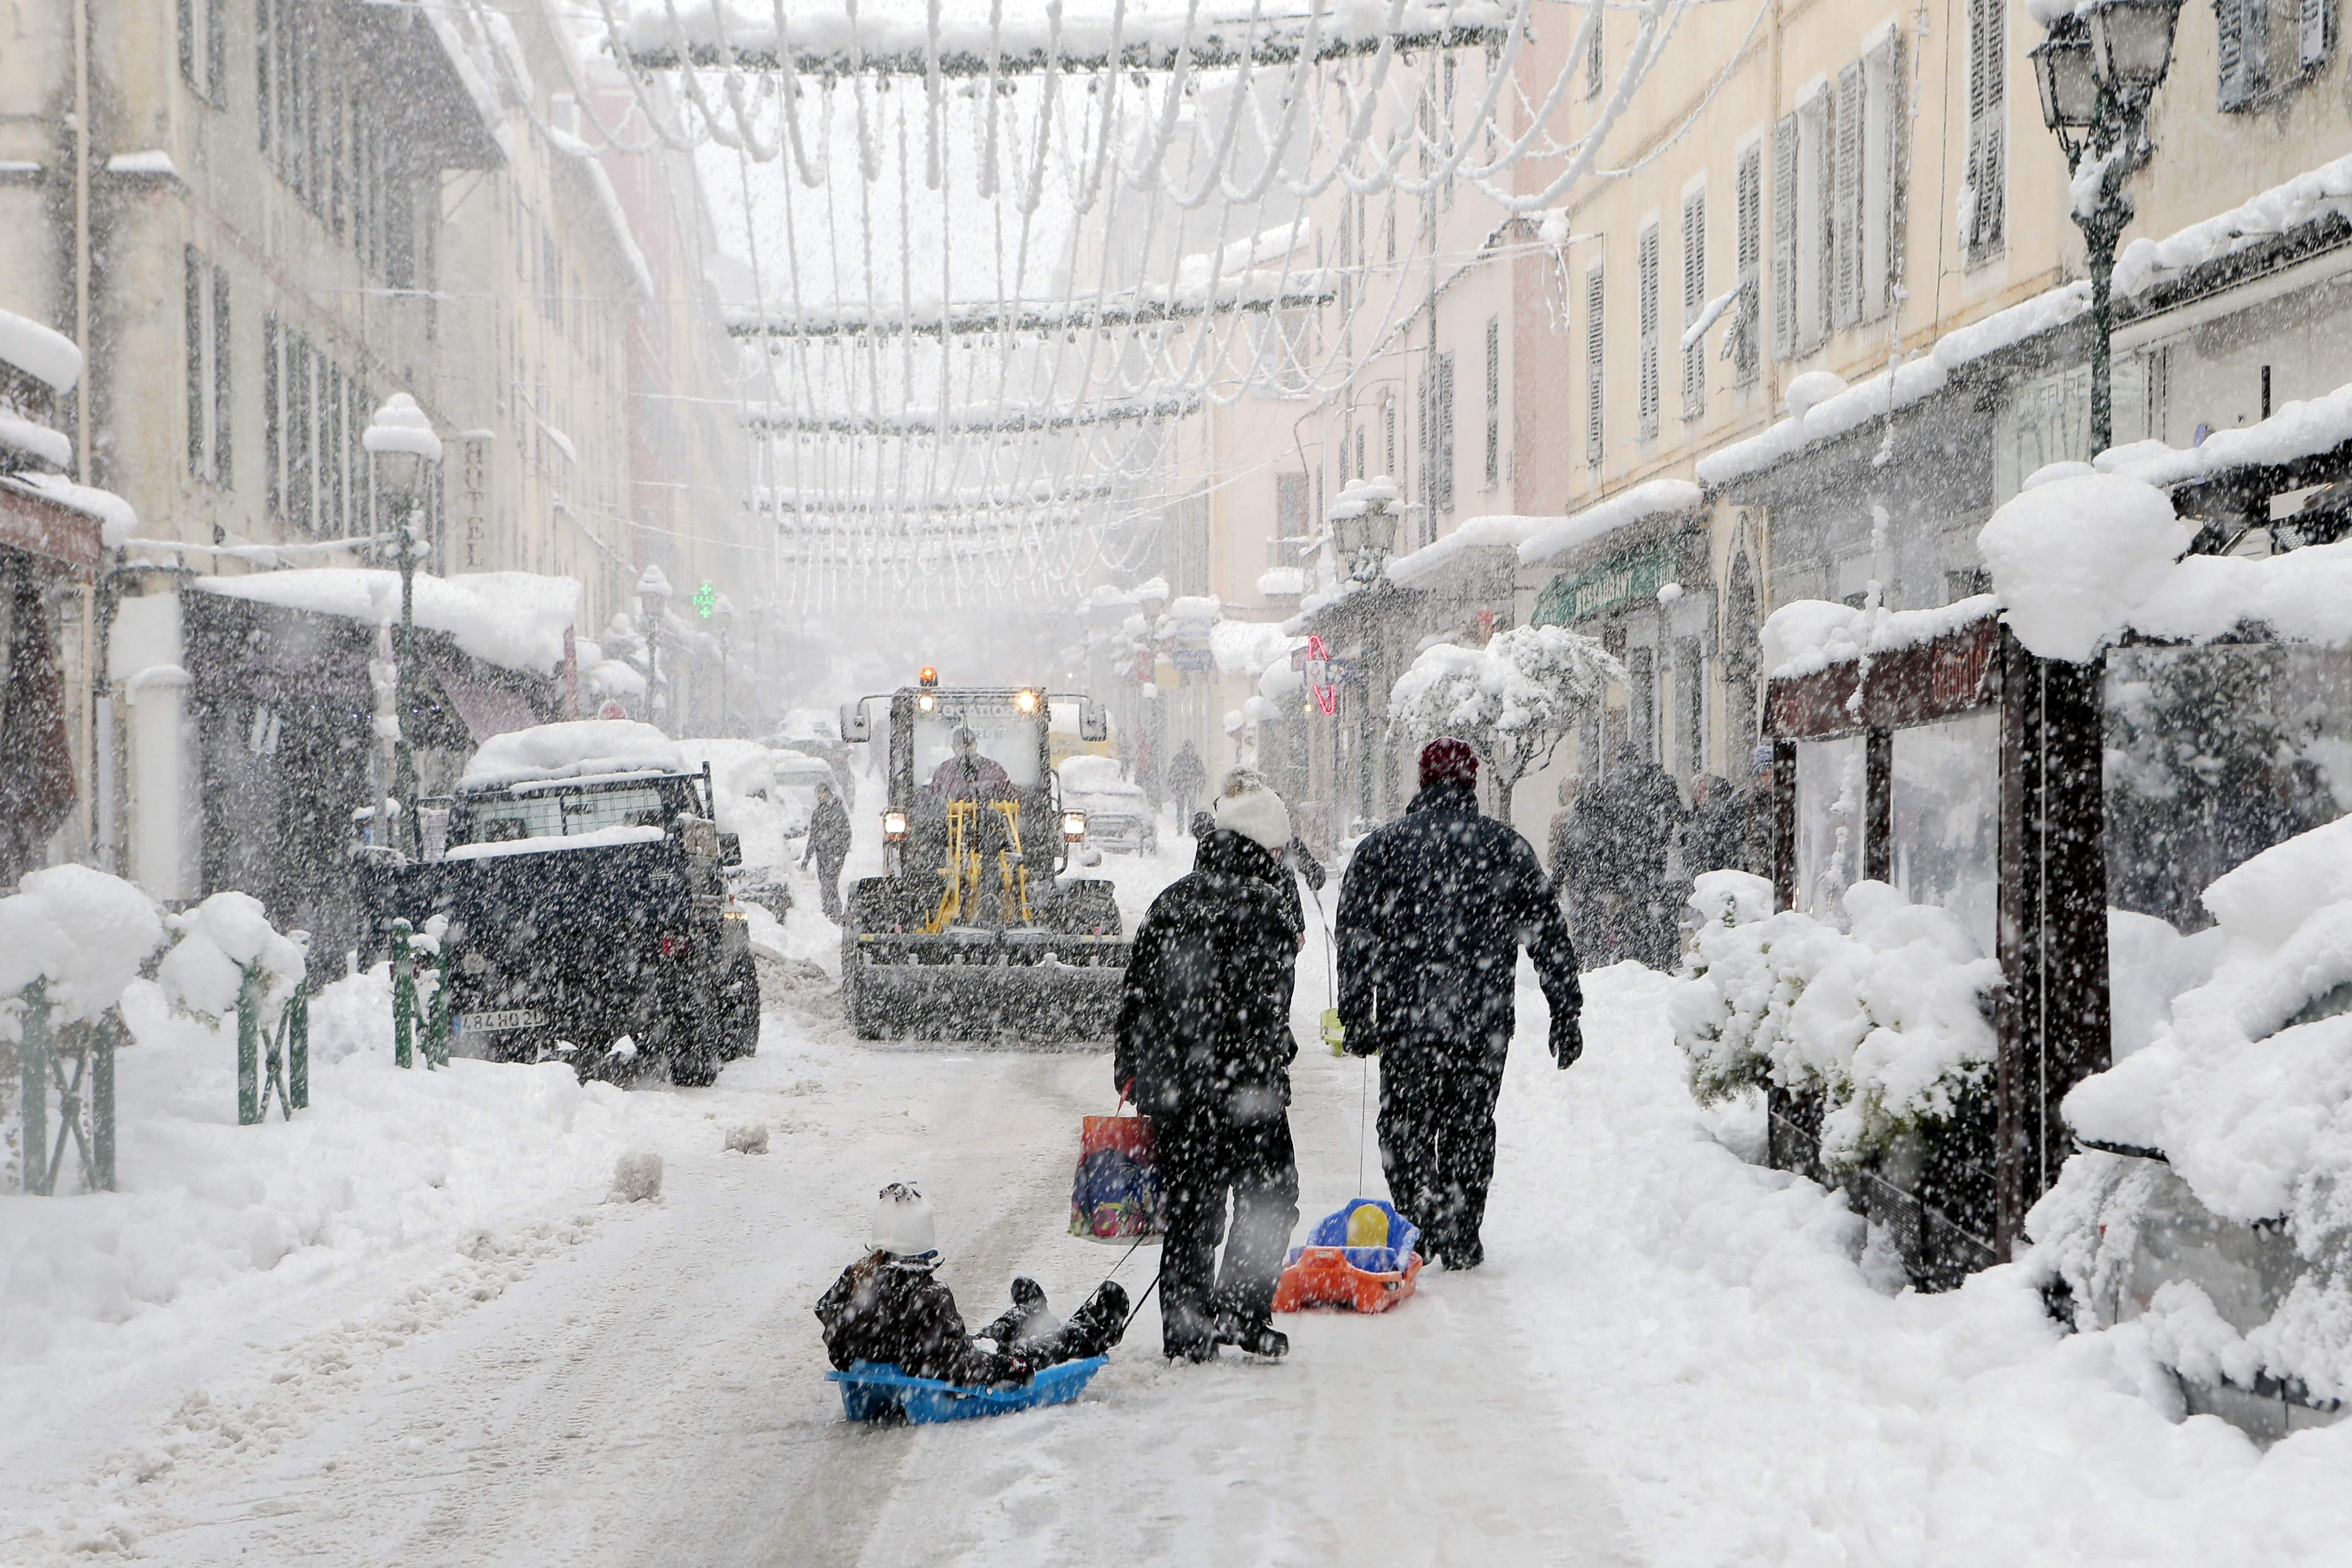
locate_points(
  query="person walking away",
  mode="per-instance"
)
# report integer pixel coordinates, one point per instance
(1652, 818)
(890, 1307)
(1204, 1049)
(1588, 866)
(1433, 910)
(1715, 840)
(828, 845)
(1186, 775)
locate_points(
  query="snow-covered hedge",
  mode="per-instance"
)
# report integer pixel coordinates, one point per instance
(1888, 1024)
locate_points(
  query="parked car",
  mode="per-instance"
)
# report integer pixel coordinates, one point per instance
(1118, 818)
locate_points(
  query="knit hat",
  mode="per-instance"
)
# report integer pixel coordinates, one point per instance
(1448, 761)
(902, 1223)
(1246, 806)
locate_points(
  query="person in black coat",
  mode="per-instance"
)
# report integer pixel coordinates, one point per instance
(828, 845)
(1204, 1049)
(1432, 912)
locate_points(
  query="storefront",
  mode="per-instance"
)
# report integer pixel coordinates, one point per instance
(49, 555)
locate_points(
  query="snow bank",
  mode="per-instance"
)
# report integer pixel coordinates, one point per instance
(1649, 500)
(513, 619)
(574, 748)
(2073, 559)
(1804, 636)
(2149, 963)
(82, 931)
(382, 1159)
(1890, 1024)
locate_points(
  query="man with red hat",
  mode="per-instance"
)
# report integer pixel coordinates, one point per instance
(1432, 912)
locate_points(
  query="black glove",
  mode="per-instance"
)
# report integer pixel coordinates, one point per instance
(1567, 1041)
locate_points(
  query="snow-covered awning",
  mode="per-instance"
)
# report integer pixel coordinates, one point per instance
(1655, 499)
(512, 619)
(1497, 533)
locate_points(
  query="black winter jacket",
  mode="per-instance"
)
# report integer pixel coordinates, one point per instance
(1432, 910)
(1204, 1025)
(899, 1313)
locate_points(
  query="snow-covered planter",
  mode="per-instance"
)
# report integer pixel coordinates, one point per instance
(1887, 1024)
(2234, 1234)
(221, 940)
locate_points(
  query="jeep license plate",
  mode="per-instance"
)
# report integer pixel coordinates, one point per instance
(492, 1023)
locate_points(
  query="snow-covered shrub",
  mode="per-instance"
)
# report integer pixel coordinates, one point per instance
(1512, 700)
(2247, 1092)
(84, 933)
(1888, 1024)
(220, 938)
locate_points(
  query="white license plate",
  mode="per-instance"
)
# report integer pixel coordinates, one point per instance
(490, 1023)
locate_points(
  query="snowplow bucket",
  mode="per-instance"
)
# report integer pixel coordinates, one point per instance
(1034, 988)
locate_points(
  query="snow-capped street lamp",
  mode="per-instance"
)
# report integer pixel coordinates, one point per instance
(2097, 72)
(653, 603)
(1363, 528)
(407, 456)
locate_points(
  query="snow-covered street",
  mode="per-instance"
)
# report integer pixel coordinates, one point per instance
(1672, 1356)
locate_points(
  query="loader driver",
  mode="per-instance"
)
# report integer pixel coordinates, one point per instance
(969, 775)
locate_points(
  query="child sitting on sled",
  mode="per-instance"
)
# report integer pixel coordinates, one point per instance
(890, 1307)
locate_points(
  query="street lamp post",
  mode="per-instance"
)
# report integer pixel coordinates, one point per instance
(653, 601)
(406, 452)
(1363, 531)
(2097, 72)
(722, 618)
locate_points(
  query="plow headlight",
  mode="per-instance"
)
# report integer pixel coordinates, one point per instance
(1027, 702)
(1074, 826)
(926, 702)
(894, 825)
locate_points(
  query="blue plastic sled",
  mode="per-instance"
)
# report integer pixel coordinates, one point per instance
(876, 1391)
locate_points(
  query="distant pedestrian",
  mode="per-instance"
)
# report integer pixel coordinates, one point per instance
(828, 845)
(1432, 912)
(1186, 775)
(1205, 1048)
(1650, 817)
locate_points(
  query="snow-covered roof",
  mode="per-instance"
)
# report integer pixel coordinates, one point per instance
(540, 844)
(2299, 430)
(152, 163)
(1500, 532)
(39, 351)
(574, 749)
(116, 521)
(1651, 499)
(1805, 637)
(1282, 581)
(514, 619)
(37, 442)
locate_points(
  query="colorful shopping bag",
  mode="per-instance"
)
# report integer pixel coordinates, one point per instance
(1116, 1192)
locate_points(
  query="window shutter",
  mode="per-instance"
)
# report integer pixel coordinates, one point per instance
(193, 300)
(272, 488)
(1494, 401)
(1595, 64)
(187, 20)
(1846, 225)
(1593, 299)
(1748, 244)
(1444, 434)
(262, 44)
(1694, 303)
(2253, 54)
(1645, 284)
(1880, 291)
(2315, 33)
(1784, 237)
(224, 401)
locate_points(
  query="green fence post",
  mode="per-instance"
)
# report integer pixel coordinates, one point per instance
(101, 1105)
(36, 1080)
(248, 1048)
(404, 993)
(297, 1047)
(436, 1018)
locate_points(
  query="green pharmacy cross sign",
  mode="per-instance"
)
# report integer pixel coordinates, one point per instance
(706, 599)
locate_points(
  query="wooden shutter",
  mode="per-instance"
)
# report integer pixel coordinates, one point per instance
(1494, 401)
(1988, 127)
(271, 484)
(1645, 284)
(224, 400)
(263, 42)
(1445, 433)
(2243, 50)
(1879, 293)
(1845, 221)
(2315, 33)
(1784, 237)
(192, 299)
(1747, 249)
(1594, 296)
(1694, 303)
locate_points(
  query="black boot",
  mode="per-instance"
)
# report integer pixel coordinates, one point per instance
(1020, 1321)
(1098, 1325)
(1253, 1336)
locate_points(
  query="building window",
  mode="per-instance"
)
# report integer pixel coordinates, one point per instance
(1784, 237)
(1595, 61)
(1881, 164)
(1594, 297)
(1441, 435)
(1290, 519)
(224, 385)
(203, 49)
(272, 480)
(1388, 438)
(1985, 188)
(191, 299)
(1845, 215)
(1694, 302)
(2315, 33)
(1645, 283)
(265, 49)
(204, 307)
(1750, 248)
(1814, 213)
(1494, 401)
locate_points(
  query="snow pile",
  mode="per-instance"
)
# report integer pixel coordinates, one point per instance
(575, 748)
(1839, 410)
(1282, 581)
(1357, 497)
(1805, 637)
(382, 1159)
(1512, 700)
(83, 933)
(1653, 499)
(1889, 1024)
(514, 619)
(2246, 1089)
(2148, 964)
(2302, 428)
(41, 352)
(1250, 648)
(2073, 559)
(221, 940)
(636, 1177)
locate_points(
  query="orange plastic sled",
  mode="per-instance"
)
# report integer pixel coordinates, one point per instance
(1327, 1272)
